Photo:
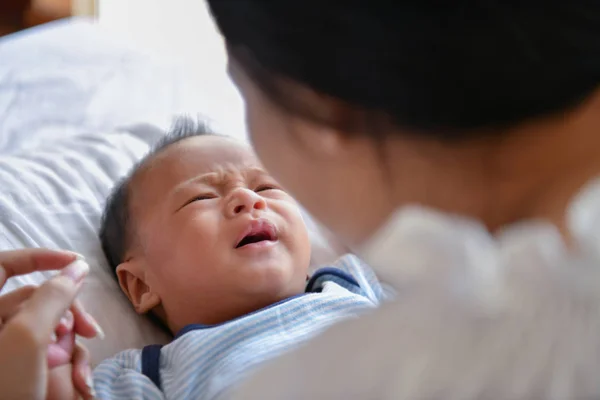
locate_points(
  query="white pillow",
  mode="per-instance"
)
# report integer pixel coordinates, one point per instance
(53, 197)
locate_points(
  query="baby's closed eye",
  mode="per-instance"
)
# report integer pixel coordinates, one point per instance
(200, 197)
(204, 197)
(263, 188)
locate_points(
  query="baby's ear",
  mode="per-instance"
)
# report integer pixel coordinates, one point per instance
(131, 277)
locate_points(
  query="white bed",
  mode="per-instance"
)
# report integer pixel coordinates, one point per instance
(69, 95)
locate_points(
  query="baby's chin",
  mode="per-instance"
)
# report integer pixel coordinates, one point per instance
(277, 280)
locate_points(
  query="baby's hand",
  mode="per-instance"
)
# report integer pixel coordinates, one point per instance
(68, 361)
(74, 379)
(62, 343)
(78, 322)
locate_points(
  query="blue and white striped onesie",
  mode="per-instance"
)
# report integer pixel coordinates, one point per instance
(204, 361)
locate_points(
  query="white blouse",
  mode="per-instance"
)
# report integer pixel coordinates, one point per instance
(515, 315)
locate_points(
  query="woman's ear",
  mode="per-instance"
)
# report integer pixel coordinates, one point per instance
(132, 280)
(330, 129)
(321, 141)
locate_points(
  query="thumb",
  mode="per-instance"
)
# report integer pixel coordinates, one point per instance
(42, 312)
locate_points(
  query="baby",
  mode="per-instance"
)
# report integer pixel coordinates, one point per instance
(201, 238)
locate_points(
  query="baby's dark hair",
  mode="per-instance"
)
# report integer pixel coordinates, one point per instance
(116, 232)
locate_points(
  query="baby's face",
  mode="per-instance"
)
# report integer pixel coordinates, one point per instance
(217, 234)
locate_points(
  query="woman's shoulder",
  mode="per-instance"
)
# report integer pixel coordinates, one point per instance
(434, 341)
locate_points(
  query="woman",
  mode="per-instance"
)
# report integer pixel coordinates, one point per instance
(487, 114)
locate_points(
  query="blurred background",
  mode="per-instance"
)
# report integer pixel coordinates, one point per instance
(16, 15)
(180, 32)
(177, 32)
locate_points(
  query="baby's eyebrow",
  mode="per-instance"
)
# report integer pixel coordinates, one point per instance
(217, 178)
(211, 178)
(256, 172)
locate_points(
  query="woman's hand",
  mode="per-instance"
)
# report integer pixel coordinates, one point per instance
(39, 325)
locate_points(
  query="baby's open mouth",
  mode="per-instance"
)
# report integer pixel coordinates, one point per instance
(258, 231)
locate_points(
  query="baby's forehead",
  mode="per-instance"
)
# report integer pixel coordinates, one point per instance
(208, 149)
(194, 156)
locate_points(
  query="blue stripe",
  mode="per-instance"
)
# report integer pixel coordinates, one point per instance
(209, 365)
(193, 327)
(223, 343)
(266, 342)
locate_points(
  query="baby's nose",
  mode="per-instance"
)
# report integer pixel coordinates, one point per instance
(245, 200)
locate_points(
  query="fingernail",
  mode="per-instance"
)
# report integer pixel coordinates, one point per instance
(78, 255)
(76, 270)
(67, 321)
(89, 381)
(99, 332)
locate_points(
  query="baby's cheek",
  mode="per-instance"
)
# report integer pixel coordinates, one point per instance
(163, 245)
(297, 227)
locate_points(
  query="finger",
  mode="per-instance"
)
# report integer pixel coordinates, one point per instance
(60, 384)
(85, 324)
(39, 316)
(82, 373)
(21, 262)
(61, 352)
(11, 302)
(66, 323)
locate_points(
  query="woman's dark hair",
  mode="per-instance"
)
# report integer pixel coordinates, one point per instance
(444, 70)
